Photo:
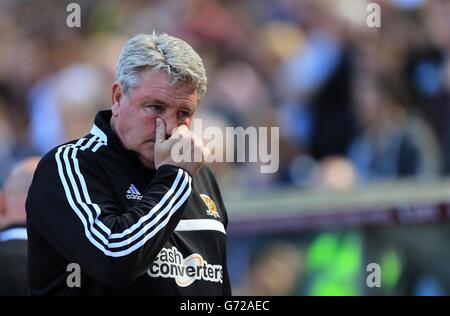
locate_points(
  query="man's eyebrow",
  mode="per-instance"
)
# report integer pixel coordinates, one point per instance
(163, 103)
(154, 101)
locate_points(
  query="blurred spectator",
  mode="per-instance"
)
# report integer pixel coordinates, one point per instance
(274, 270)
(436, 70)
(12, 146)
(314, 86)
(335, 173)
(6, 142)
(391, 144)
(413, 259)
(70, 98)
(13, 234)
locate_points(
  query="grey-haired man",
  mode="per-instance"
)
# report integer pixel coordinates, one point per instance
(114, 212)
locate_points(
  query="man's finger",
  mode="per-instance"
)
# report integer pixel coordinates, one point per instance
(160, 134)
(181, 129)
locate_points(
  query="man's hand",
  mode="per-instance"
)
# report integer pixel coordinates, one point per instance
(183, 138)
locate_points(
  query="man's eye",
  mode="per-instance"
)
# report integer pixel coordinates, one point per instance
(184, 114)
(154, 108)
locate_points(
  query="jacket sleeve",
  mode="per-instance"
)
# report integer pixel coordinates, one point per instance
(226, 278)
(215, 187)
(75, 211)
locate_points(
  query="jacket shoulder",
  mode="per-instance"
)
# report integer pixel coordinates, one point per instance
(56, 153)
(207, 172)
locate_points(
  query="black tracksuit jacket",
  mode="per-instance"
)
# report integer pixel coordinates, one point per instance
(94, 211)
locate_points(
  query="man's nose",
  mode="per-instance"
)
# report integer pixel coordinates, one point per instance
(171, 123)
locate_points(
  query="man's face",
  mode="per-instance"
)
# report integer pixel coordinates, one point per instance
(135, 113)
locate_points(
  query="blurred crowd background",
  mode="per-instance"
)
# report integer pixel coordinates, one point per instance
(354, 105)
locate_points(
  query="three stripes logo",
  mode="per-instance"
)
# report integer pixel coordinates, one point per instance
(133, 193)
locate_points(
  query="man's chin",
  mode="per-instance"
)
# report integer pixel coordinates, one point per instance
(148, 163)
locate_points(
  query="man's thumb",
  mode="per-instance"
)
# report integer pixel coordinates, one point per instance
(160, 134)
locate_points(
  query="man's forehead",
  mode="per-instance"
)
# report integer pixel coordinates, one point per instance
(157, 84)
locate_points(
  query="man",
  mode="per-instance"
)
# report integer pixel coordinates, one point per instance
(13, 234)
(113, 213)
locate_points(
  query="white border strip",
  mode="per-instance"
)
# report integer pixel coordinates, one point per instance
(200, 224)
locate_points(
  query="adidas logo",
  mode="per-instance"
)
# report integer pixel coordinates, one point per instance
(133, 193)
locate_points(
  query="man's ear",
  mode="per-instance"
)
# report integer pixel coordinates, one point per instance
(117, 95)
